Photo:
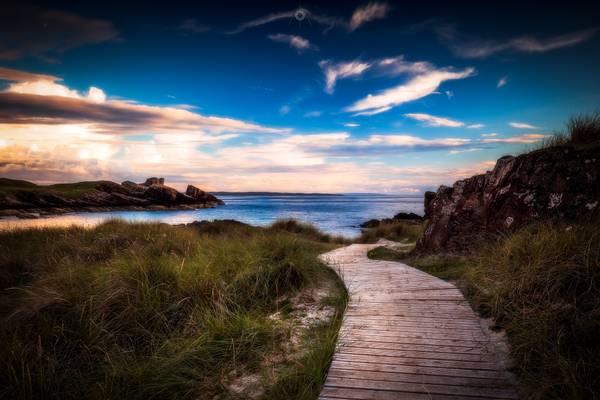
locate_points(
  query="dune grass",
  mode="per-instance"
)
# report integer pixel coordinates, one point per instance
(582, 131)
(142, 311)
(542, 285)
(398, 231)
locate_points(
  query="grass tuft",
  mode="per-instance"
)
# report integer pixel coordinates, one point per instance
(582, 131)
(399, 231)
(306, 230)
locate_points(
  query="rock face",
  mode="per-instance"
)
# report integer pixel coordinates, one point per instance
(558, 182)
(25, 199)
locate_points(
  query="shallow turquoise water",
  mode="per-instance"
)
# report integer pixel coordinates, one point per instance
(338, 215)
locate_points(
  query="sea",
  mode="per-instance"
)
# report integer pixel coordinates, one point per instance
(334, 214)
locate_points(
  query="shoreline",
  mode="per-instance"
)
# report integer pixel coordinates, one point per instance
(38, 213)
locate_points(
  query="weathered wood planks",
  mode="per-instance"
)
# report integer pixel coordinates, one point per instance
(409, 335)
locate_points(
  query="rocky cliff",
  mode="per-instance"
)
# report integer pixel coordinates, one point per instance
(27, 200)
(560, 182)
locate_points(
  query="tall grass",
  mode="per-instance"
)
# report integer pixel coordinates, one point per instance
(541, 284)
(582, 131)
(395, 231)
(142, 311)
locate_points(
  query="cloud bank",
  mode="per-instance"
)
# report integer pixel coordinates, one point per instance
(41, 99)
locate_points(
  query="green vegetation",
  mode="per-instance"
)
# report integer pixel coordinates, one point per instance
(444, 267)
(71, 190)
(398, 231)
(542, 285)
(582, 131)
(143, 311)
(306, 230)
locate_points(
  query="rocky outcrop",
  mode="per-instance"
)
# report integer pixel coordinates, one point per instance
(27, 200)
(405, 217)
(154, 181)
(559, 182)
(201, 195)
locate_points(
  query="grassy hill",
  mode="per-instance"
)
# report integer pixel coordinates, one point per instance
(70, 190)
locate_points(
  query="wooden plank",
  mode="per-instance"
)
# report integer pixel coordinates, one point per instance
(416, 369)
(494, 393)
(414, 340)
(420, 378)
(418, 354)
(369, 394)
(422, 362)
(417, 347)
(414, 334)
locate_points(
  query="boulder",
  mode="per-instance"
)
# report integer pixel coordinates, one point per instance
(201, 196)
(372, 223)
(134, 187)
(407, 216)
(558, 182)
(154, 181)
(161, 194)
(194, 192)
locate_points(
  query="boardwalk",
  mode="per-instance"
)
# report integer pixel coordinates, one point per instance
(409, 335)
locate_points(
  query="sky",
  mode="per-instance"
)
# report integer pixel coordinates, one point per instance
(386, 97)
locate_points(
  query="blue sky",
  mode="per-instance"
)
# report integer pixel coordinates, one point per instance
(365, 96)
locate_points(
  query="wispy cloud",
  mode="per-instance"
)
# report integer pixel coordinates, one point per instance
(341, 70)
(418, 87)
(389, 66)
(431, 120)
(521, 139)
(472, 149)
(351, 125)
(362, 15)
(298, 14)
(502, 82)
(298, 42)
(523, 125)
(466, 47)
(489, 134)
(367, 13)
(475, 126)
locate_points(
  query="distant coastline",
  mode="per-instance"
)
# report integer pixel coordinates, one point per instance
(273, 194)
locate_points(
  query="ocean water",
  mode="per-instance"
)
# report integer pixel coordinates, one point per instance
(338, 215)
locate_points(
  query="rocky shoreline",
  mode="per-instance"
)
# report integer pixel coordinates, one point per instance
(24, 200)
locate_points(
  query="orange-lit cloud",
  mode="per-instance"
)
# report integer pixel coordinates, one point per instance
(34, 99)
